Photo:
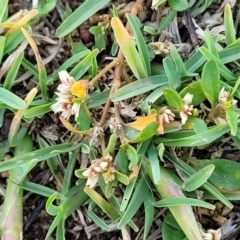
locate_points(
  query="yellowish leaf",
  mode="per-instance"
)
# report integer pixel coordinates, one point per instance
(23, 21)
(142, 122)
(72, 129)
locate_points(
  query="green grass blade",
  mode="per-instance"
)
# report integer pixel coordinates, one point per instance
(230, 32)
(142, 47)
(2, 46)
(137, 199)
(138, 87)
(128, 49)
(11, 99)
(39, 155)
(80, 15)
(200, 139)
(9, 80)
(171, 72)
(176, 201)
(78, 71)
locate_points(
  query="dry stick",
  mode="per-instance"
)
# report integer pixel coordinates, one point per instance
(118, 69)
(99, 18)
(102, 72)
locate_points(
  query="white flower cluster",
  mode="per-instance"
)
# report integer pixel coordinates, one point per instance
(64, 101)
(98, 166)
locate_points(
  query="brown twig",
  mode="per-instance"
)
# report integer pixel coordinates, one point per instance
(118, 69)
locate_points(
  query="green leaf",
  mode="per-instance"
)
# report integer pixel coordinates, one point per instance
(137, 199)
(122, 178)
(9, 80)
(38, 111)
(128, 49)
(11, 99)
(180, 66)
(232, 120)
(195, 88)
(84, 118)
(198, 179)
(2, 45)
(173, 98)
(178, 5)
(211, 82)
(154, 163)
(176, 201)
(199, 139)
(40, 155)
(111, 143)
(189, 170)
(78, 71)
(171, 72)
(210, 43)
(171, 233)
(149, 131)
(140, 41)
(226, 174)
(224, 71)
(230, 32)
(4, 9)
(149, 214)
(101, 202)
(166, 20)
(131, 154)
(80, 15)
(198, 124)
(138, 87)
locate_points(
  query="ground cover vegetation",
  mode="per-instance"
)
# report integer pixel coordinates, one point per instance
(119, 119)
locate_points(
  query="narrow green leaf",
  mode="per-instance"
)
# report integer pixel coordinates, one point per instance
(2, 45)
(78, 71)
(154, 163)
(208, 186)
(136, 201)
(128, 48)
(101, 202)
(9, 80)
(98, 221)
(40, 154)
(173, 98)
(198, 179)
(138, 87)
(210, 43)
(224, 71)
(171, 72)
(230, 32)
(141, 44)
(11, 99)
(211, 82)
(232, 120)
(149, 214)
(38, 111)
(80, 15)
(176, 201)
(149, 131)
(180, 66)
(199, 139)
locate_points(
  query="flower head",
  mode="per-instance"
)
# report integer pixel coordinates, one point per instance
(187, 108)
(68, 91)
(224, 98)
(100, 166)
(168, 115)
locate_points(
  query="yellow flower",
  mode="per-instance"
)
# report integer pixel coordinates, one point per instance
(68, 90)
